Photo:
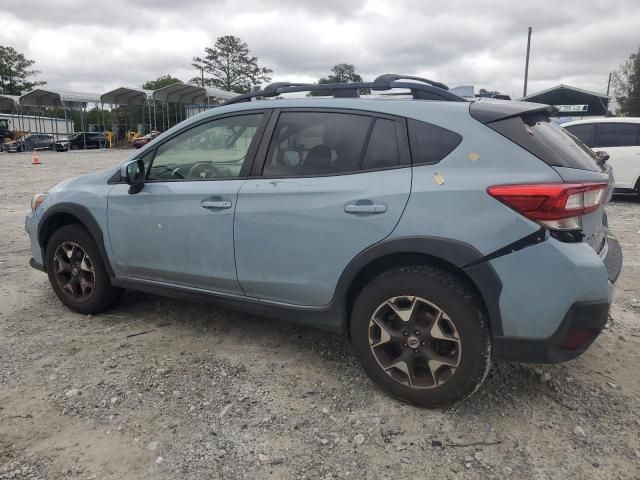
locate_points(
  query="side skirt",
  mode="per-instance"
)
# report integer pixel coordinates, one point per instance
(328, 318)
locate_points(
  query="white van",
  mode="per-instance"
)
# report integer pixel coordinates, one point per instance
(620, 138)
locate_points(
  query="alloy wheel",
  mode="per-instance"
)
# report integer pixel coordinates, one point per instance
(74, 271)
(415, 342)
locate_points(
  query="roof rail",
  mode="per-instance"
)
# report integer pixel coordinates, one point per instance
(421, 89)
(273, 87)
(390, 77)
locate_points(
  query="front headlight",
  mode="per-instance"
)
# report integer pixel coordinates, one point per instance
(37, 200)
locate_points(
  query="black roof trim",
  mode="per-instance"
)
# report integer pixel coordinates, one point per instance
(421, 89)
(487, 112)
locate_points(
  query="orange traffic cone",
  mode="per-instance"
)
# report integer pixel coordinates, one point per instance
(35, 159)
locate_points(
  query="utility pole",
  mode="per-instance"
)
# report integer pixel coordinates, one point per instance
(526, 65)
(609, 84)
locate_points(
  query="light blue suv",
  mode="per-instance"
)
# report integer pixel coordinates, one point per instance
(439, 234)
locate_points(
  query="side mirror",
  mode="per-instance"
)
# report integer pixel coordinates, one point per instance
(133, 174)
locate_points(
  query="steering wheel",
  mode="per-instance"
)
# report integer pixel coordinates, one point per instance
(203, 170)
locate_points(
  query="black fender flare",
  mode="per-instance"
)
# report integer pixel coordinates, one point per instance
(459, 254)
(85, 217)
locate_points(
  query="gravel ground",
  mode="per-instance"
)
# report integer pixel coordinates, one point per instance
(164, 389)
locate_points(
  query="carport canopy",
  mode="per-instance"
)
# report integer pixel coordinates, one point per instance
(572, 101)
(189, 94)
(58, 98)
(7, 102)
(127, 96)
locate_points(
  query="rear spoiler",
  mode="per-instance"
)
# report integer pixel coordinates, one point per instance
(494, 110)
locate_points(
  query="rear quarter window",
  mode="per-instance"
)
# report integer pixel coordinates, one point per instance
(429, 144)
(537, 134)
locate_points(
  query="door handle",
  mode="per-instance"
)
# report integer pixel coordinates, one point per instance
(216, 204)
(365, 208)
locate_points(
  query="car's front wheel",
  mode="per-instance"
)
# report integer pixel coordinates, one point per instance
(421, 335)
(77, 272)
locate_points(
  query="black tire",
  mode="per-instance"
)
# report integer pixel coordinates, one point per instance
(102, 295)
(463, 310)
(75, 147)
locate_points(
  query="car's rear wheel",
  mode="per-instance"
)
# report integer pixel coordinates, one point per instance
(421, 335)
(77, 272)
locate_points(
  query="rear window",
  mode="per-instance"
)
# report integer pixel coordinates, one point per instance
(430, 144)
(549, 142)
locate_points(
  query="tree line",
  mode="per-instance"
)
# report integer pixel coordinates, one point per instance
(229, 65)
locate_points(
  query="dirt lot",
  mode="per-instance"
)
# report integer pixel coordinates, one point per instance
(202, 392)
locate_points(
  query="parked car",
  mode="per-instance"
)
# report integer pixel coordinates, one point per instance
(79, 140)
(620, 138)
(27, 143)
(143, 140)
(437, 234)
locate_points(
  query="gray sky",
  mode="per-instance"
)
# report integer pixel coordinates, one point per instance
(92, 47)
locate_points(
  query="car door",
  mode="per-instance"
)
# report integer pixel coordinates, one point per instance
(179, 228)
(328, 185)
(30, 142)
(620, 141)
(45, 141)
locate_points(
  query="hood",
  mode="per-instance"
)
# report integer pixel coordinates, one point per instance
(100, 178)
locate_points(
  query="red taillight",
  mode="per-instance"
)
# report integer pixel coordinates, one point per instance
(555, 205)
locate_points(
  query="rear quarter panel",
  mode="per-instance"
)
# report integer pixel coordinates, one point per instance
(449, 199)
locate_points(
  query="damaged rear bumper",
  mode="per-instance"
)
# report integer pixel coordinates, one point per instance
(580, 326)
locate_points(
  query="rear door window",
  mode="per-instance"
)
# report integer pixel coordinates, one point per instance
(382, 150)
(617, 134)
(316, 143)
(429, 144)
(584, 131)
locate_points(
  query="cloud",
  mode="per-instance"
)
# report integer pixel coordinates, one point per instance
(457, 42)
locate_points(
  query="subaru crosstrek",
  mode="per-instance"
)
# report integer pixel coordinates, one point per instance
(438, 234)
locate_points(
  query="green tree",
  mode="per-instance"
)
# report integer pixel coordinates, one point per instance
(160, 82)
(626, 85)
(230, 67)
(15, 69)
(340, 73)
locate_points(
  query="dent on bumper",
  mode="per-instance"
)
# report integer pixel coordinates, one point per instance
(540, 283)
(580, 325)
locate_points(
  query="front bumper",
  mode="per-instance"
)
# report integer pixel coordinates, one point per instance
(580, 326)
(31, 227)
